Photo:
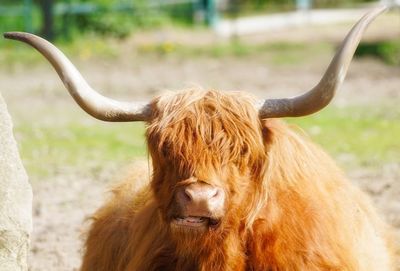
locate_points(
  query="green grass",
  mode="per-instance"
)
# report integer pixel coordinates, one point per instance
(49, 148)
(354, 136)
(387, 50)
(14, 53)
(279, 53)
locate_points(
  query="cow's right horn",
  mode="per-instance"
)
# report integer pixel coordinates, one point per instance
(91, 101)
(320, 96)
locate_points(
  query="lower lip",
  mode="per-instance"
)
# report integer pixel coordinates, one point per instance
(194, 222)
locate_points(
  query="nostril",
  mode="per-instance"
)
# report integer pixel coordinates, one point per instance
(188, 194)
(214, 193)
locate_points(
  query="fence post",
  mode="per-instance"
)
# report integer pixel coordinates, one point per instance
(303, 4)
(198, 12)
(28, 16)
(211, 12)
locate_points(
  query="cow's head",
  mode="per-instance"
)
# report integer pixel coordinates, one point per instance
(208, 157)
(207, 147)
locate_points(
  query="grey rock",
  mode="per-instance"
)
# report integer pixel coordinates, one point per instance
(15, 200)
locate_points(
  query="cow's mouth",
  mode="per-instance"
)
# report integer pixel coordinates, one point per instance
(196, 221)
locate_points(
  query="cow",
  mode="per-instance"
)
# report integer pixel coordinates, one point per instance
(232, 187)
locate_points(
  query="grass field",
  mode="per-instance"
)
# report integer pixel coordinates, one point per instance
(357, 136)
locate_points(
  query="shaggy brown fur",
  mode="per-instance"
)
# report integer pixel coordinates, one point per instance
(288, 207)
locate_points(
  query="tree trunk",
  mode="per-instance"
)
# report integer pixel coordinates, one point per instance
(47, 23)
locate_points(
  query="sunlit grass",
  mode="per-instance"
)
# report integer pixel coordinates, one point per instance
(50, 148)
(13, 53)
(354, 136)
(279, 53)
(387, 50)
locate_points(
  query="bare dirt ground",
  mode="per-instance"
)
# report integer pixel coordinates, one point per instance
(63, 202)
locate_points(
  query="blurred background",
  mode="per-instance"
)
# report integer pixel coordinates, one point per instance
(136, 49)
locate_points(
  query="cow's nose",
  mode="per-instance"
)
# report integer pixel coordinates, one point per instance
(200, 199)
(200, 192)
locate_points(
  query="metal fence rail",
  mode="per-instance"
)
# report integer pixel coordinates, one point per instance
(25, 15)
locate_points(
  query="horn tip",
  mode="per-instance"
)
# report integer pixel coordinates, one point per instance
(16, 35)
(381, 8)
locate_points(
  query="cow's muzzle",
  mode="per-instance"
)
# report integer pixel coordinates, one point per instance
(200, 205)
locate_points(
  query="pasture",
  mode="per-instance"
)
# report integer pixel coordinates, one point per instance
(71, 158)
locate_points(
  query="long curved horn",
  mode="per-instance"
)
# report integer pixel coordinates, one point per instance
(91, 101)
(320, 96)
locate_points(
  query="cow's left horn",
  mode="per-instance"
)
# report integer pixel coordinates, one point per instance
(320, 96)
(91, 101)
